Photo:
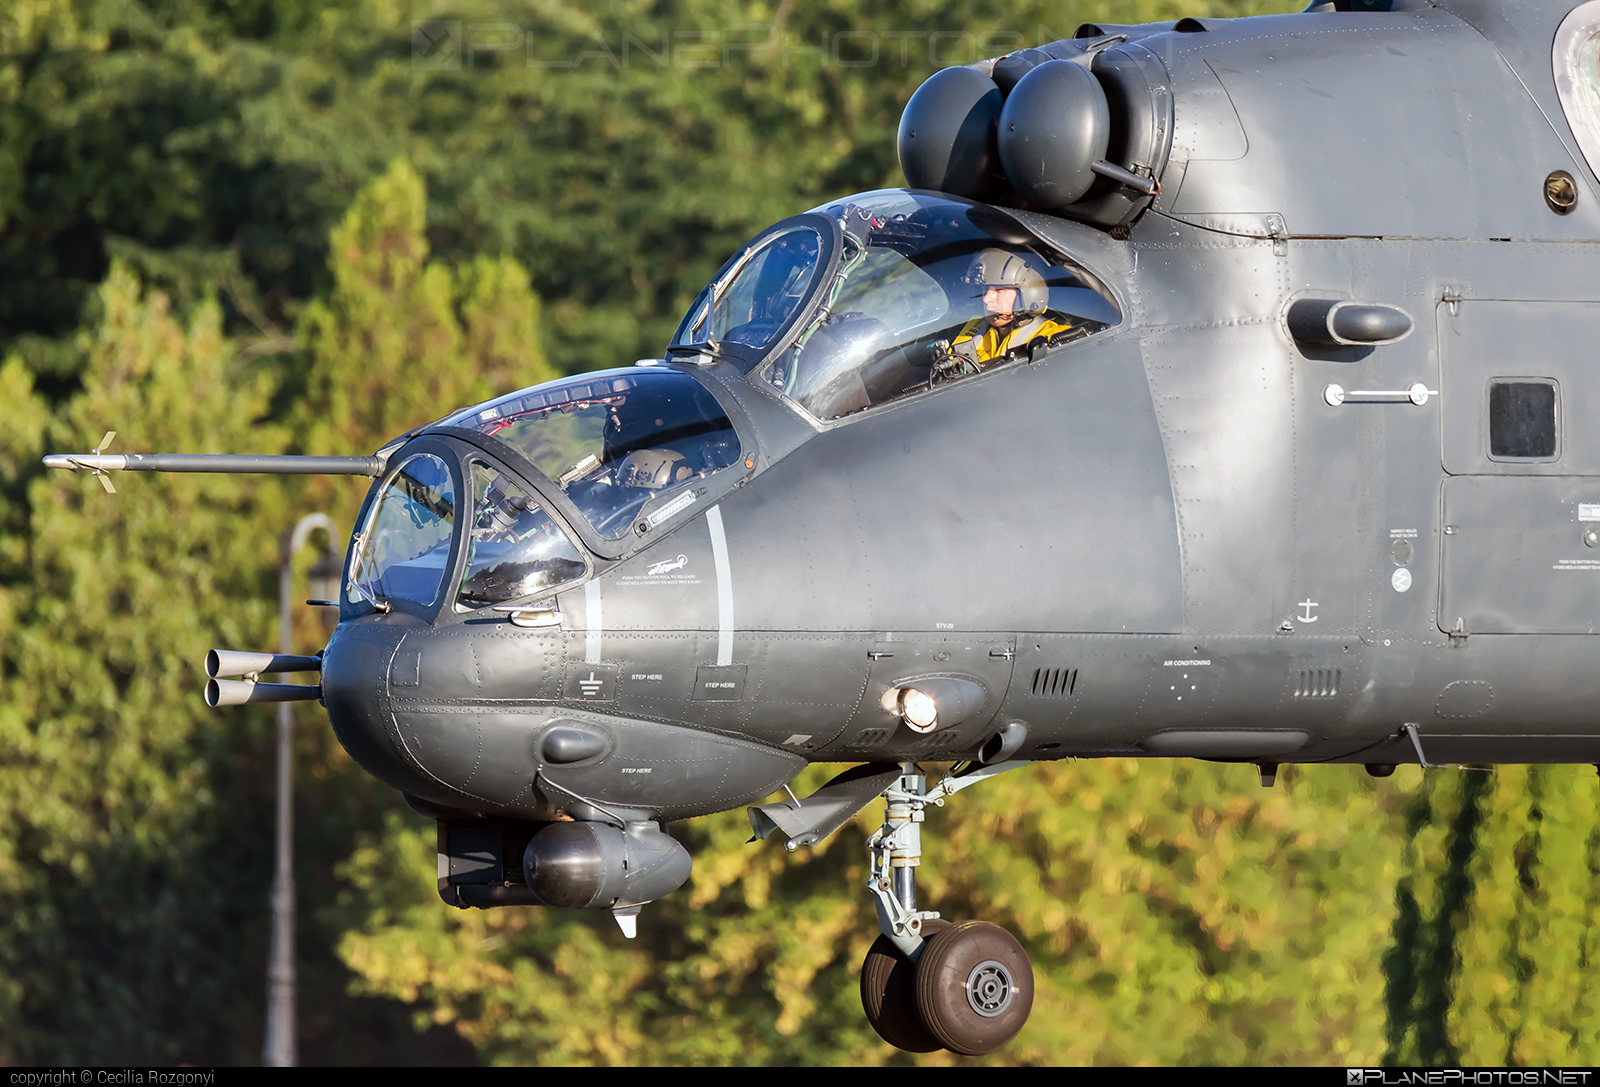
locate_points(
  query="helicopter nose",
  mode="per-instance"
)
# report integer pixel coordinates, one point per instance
(355, 669)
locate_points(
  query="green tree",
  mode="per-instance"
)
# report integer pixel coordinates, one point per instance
(401, 340)
(122, 796)
(1246, 923)
(1496, 912)
(643, 143)
(138, 822)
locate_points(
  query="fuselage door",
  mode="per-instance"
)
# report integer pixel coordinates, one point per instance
(1520, 544)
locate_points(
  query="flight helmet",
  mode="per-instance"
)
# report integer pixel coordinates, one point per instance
(999, 268)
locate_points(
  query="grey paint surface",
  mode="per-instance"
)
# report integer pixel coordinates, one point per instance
(1162, 540)
(988, 527)
(1515, 561)
(1488, 339)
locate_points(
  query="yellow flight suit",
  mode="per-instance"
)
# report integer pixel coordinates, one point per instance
(983, 342)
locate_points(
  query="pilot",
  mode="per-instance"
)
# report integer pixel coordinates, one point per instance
(1016, 318)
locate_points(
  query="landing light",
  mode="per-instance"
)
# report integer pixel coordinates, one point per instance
(931, 702)
(919, 711)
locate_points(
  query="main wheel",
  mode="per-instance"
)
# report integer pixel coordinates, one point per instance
(974, 987)
(889, 994)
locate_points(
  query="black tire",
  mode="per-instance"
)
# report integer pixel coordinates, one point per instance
(990, 959)
(889, 994)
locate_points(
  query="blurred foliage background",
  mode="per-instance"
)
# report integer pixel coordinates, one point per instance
(288, 226)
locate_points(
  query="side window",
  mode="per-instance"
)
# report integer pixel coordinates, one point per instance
(908, 315)
(515, 550)
(1523, 419)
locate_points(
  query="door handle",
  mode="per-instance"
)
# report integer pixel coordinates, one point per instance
(1418, 394)
(522, 615)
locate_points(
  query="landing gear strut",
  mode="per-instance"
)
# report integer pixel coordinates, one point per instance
(928, 984)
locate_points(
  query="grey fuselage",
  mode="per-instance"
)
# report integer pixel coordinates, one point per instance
(1161, 540)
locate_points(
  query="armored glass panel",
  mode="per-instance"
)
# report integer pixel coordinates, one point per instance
(1522, 419)
(514, 549)
(613, 440)
(929, 290)
(1576, 62)
(755, 304)
(403, 549)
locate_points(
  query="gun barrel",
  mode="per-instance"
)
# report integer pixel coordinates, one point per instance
(227, 463)
(228, 662)
(244, 692)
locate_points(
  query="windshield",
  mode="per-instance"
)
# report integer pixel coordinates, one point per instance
(929, 290)
(613, 440)
(758, 301)
(402, 551)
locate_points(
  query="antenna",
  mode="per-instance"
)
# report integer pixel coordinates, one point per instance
(99, 463)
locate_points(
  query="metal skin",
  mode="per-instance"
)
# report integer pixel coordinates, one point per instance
(1170, 508)
(1166, 539)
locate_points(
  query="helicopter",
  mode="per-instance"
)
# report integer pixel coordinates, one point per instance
(1216, 389)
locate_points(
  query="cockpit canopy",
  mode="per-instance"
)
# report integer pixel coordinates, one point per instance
(627, 450)
(891, 293)
(514, 548)
(614, 440)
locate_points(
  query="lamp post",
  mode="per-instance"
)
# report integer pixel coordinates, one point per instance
(323, 581)
(280, 1047)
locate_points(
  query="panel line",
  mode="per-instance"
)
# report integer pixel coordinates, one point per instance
(719, 554)
(591, 607)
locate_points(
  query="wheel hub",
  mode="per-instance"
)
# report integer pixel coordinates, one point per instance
(990, 988)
